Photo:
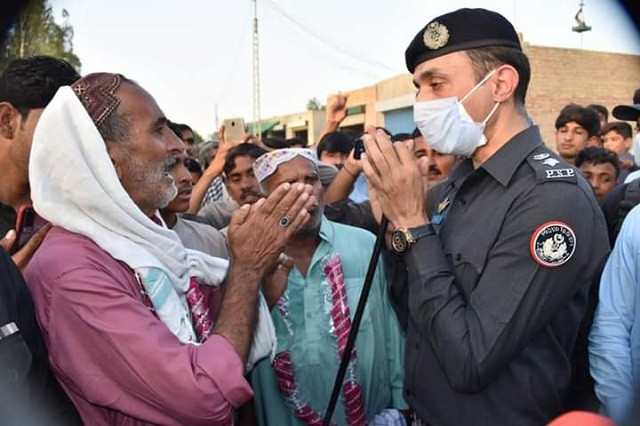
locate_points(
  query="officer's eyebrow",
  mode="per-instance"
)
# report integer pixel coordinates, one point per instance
(426, 75)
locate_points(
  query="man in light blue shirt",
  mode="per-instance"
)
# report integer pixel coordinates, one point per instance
(295, 388)
(614, 342)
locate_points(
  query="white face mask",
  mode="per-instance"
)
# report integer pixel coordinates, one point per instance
(448, 127)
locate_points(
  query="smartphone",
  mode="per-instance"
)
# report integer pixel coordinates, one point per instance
(234, 129)
(358, 149)
(27, 224)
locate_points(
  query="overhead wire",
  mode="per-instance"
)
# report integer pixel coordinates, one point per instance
(314, 34)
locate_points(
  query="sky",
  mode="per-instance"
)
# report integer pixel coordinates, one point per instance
(195, 56)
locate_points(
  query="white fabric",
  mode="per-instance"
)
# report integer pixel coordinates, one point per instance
(388, 417)
(632, 176)
(75, 186)
(266, 164)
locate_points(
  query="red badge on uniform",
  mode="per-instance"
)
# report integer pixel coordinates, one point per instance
(552, 244)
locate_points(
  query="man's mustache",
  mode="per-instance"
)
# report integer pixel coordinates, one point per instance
(247, 192)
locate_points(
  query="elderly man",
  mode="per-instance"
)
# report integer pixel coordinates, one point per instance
(124, 307)
(312, 316)
(494, 289)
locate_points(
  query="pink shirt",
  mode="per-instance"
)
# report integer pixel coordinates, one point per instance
(117, 361)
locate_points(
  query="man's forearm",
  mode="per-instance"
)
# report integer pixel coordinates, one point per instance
(341, 186)
(237, 317)
(200, 189)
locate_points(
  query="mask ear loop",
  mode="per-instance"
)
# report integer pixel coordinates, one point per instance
(474, 88)
(495, 107)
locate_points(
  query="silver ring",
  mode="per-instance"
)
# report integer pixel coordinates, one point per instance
(284, 221)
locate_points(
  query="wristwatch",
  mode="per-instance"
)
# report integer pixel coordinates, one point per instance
(403, 239)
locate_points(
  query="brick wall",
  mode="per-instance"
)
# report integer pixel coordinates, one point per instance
(561, 76)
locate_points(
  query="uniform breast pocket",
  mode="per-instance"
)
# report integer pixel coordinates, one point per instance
(354, 290)
(15, 361)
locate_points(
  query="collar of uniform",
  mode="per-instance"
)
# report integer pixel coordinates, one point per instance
(504, 163)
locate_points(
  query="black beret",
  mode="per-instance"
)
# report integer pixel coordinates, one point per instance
(460, 30)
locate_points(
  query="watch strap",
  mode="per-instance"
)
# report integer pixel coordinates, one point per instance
(422, 231)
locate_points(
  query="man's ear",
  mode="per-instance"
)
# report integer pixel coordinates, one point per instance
(507, 79)
(10, 119)
(117, 157)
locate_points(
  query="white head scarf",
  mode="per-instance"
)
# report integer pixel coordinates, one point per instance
(75, 186)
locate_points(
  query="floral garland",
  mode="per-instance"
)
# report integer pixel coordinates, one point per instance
(283, 364)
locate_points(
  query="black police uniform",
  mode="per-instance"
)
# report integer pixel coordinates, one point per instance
(29, 393)
(494, 299)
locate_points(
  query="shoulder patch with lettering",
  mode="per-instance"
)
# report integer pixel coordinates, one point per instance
(552, 244)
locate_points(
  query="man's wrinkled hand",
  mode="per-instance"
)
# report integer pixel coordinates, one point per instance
(259, 233)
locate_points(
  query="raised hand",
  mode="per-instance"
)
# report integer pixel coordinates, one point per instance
(258, 233)
(337, 111)
(392, 172)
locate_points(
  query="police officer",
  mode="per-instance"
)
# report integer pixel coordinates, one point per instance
(496, 284)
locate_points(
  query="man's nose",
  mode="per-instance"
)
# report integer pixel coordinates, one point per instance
(173, 142)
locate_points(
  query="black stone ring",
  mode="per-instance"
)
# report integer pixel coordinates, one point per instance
(284, 221)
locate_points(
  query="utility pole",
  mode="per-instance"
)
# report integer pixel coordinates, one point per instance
(257, 131)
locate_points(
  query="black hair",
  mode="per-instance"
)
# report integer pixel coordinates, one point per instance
(622, 128)
(636, 96)
(295, 141)
(192, 165)
(401, 137)
(585, 117)
(336, 142)
(242, 150)
(485, 59)
(600, 109)
(596, 155)
(31, 82)
(275, 142)
(174, 128)
(178, 128)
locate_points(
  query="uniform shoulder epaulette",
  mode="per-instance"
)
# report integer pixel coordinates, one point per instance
(549, 167)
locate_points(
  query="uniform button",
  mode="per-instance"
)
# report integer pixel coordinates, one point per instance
(458, 257)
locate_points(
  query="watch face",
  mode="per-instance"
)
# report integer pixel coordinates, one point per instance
(399, 241)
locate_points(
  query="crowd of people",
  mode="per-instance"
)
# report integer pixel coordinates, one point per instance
(216, 283)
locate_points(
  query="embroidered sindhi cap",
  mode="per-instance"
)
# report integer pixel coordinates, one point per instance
(97, 93)
(463, 29)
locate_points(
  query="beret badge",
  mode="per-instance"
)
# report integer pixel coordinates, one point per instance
(435, 36)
